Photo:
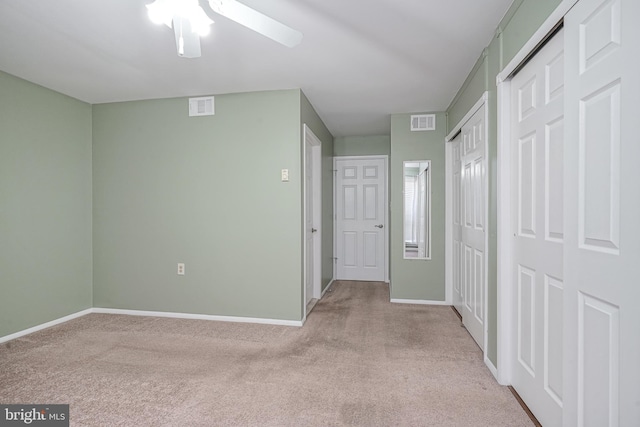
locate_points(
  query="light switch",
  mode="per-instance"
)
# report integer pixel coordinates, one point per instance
(285, 175)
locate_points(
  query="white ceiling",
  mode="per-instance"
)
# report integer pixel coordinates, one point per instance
(359, 60)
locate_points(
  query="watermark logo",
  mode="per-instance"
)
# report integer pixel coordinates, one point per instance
(34, 415)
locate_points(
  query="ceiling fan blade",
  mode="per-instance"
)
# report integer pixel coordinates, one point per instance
(187, 42)
(256, 21)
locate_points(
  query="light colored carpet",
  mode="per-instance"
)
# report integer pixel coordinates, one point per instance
(359, 360)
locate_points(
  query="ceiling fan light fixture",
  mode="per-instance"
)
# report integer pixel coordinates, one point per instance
(165, 11)
(159, 13)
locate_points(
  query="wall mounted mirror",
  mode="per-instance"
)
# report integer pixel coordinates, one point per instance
(417, 209)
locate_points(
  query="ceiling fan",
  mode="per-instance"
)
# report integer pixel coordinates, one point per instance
(191, 19)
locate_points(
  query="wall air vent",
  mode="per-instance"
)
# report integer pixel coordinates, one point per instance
(420, 122)
(203, 106)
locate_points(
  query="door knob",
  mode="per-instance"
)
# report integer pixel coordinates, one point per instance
(379, 226)
(313, 230)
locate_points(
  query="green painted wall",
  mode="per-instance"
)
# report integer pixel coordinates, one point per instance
(374, 145)
(520, 22)
(166, 190)
(45, 205)
(417, 279)
(309, 117)
(472, 90)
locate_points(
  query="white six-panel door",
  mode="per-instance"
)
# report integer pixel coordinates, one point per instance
(575, 220)
(470, 258)
(602, 214)
(360, 219)
(537, 131)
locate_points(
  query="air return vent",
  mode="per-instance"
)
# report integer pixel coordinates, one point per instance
(203, 106)
(421, 122)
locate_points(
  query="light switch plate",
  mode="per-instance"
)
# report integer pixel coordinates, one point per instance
(285, 175)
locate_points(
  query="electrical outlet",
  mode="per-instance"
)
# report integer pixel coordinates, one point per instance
(181, 269)
(285, 175)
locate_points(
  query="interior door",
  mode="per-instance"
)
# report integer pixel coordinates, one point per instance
(360, 219)
(602, 214)
(473, 224)
(537, 126)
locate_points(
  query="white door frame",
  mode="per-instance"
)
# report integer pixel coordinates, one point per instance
(386, 209)
(448, 224)
(449, 214)
(503, 81)
(316, 158)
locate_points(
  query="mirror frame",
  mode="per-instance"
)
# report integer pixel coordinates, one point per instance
(427, 223)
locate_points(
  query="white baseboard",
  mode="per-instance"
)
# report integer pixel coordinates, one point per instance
(150, 314)
(491, 367)
(199, 316)
(418, 301)
(45, 325)
(327, 288)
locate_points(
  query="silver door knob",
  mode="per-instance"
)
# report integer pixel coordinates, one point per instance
(379, 226)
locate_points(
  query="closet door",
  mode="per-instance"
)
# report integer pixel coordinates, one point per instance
(537, 171)
(473, 202)
(602, 214)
